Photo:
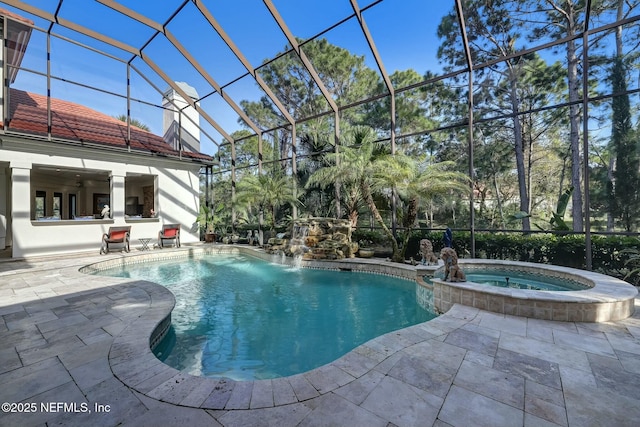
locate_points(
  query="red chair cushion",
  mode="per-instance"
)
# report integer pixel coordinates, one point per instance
(170, 232)
(117, 235)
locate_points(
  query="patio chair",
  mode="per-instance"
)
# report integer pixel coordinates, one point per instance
(118, 235)
(169, 232)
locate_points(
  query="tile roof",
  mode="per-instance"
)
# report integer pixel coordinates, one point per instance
(16, 17)
(28, 113)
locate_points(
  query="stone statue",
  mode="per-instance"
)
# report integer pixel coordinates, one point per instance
(452, 270)
(106, 212)
(426, 251)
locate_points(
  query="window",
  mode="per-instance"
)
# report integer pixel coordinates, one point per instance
(41, 198)
(68, 193)
(57, 205)
(100, 201)
(140, 196)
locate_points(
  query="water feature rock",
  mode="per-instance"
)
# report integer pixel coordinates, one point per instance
(317, 238)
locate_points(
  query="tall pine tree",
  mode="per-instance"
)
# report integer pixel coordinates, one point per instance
(625, 191)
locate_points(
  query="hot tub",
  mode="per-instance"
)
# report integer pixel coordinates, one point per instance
(601, 299)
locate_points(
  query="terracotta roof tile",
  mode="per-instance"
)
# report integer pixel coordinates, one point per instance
(75, 122)
(5, 12)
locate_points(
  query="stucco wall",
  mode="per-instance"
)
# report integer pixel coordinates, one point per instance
(4, 191)
(177, 197)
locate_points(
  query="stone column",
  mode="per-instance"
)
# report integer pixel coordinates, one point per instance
(5, 192)
(117, 197)
(21, 228)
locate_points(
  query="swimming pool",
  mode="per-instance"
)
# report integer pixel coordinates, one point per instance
(243, 318)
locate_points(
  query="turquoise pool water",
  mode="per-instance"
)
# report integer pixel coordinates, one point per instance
(521, 280)
(246, 319)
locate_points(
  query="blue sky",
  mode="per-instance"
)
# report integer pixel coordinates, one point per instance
(404, 32)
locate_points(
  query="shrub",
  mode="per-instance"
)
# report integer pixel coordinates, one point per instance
(376, 237)
(610, 254)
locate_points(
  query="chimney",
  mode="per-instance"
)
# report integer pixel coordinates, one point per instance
(18, 33)
(180, 121)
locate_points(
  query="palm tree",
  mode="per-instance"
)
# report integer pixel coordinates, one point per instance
(415, 180)
(133, 122)
(359, 162)
(266, 192)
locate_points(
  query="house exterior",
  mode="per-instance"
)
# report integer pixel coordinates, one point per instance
(61, 164)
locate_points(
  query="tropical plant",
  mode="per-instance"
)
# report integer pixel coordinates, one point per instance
(319, 202)
(205, 219)
(359, 162)
(632, 264)
(557, 222)
(557, 217)
(133, 122)
(266, 193)
(210, 218)
(417, 181)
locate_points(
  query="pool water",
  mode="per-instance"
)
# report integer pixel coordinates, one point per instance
(246, 319)
(521, 280)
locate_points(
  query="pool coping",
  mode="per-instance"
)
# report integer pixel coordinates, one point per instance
(132, 361)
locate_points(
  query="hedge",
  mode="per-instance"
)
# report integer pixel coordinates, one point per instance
(566, 250)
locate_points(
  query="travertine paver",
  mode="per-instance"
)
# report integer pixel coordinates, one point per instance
(282, 392)
(262, 394)
(73, 339)
(493, 383)
(543, 409)
(466, 408)
(531, 368)
(240, 396)
(402, 404)
(589, 404)
(473, 341)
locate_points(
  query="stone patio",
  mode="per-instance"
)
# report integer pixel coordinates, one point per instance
(73, 343)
